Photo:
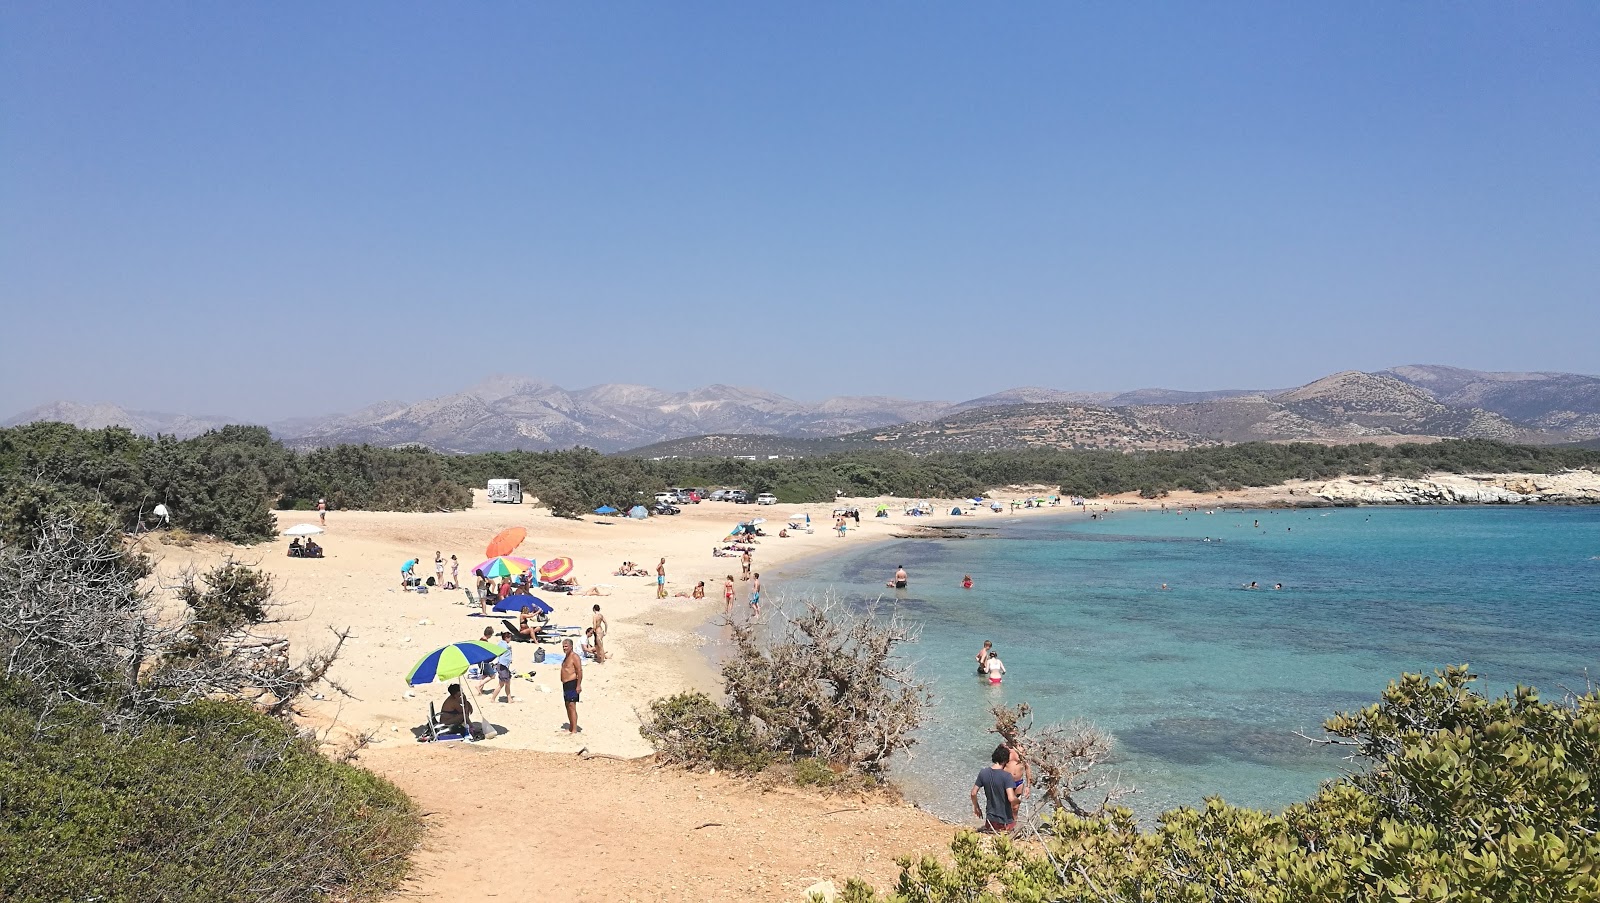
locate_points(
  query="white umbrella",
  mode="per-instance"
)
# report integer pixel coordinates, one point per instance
(759, 520)
(303, 530)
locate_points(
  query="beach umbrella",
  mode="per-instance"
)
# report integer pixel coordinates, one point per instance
(555, 568)
(506, 541)
(451, 661)
(759, 520)
(304, 530)
(504, 566)
(514, 603)
(606, 509)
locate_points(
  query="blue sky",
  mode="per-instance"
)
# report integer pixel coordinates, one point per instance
(296, 208)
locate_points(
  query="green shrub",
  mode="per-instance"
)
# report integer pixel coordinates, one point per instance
(1464, 799)
(217, 804)
(691, 729)
(814, 773)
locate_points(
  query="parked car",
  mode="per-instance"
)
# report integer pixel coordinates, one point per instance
(766, 498)
(738, 497)
(663, 508)
(663, 498)
(698, 493)
(719, 495)
(683, 497)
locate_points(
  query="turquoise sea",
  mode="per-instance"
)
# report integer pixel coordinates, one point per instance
(1205, 683)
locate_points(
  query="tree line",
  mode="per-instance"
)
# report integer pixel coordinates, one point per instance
(226, 482)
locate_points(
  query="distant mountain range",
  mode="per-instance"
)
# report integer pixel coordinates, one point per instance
(507, 412)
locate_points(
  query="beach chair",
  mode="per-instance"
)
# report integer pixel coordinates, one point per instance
(438, 730)
(472, 597)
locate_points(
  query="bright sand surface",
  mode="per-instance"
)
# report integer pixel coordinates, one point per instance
(534, 812)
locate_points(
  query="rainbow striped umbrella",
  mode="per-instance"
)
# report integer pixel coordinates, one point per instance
(504, 566)
(555, 568)
(451, 661)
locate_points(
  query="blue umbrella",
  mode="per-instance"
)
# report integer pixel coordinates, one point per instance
(606, 509)
(451, 661)
(515, 603)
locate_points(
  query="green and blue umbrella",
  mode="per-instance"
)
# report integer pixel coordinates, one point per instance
(451, 661)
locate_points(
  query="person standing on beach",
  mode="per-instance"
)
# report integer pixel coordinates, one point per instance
(502, 667)
(600, 628)
(999, 793)
(745, 563)
(661, 579)
(727, 594)
(322, 512)
(755, 597)
(438, 569)
(571, 684)
(455, 573)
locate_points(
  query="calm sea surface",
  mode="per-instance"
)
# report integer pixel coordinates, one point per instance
(1204, 684)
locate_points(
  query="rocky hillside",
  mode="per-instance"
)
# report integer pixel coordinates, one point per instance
(99, 416)
(510, 412)
(1558, 402)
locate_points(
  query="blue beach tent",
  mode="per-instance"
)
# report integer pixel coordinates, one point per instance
(638, 513)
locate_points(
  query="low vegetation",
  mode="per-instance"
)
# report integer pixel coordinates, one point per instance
(225, 483)
(145, 751)
(222, 484)
(824, 695)
(1461, 798)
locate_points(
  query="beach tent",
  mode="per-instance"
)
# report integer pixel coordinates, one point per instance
(955, 510)
(606, 509)
(638, 512)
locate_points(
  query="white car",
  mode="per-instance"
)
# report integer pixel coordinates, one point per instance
(665, 498)
(766, 498)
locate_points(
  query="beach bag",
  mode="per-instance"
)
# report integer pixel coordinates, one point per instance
(538, 655)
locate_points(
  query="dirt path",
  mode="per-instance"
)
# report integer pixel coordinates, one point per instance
(560, 827)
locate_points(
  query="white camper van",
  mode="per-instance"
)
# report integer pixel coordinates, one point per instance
(508, 491)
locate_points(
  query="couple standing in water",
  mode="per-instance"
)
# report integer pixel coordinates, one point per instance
(989, 663)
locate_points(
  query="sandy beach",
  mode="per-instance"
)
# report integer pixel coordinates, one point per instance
(609, 824)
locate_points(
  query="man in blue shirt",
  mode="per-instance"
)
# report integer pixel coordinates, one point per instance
(999, 791)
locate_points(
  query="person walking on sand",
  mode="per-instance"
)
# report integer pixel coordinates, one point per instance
(661, 579)
(999, 793)
(727, 595)
(755, 597)
(322, 512)
(600, 629)
(995, 668)
(487, 668)
(502, 668)
(745, 564)
(571, 684)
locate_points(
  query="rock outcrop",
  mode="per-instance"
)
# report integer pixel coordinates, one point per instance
(1567, 488)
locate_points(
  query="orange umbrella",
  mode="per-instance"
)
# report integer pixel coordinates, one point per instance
(555, 568)
(505, 542)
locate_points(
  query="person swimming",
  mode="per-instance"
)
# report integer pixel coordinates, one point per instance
(966, 581)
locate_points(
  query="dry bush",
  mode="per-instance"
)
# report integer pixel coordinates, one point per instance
(1063, 761)
(827, 683)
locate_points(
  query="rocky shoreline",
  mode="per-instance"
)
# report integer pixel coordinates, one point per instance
(1574, 487)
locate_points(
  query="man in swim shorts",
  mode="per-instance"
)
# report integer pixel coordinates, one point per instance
(755, 597)
(571, 683)
(900, 579)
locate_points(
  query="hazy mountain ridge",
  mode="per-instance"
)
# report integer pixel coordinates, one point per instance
(507, 412)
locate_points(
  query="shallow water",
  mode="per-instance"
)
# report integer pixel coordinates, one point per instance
(1204, 684)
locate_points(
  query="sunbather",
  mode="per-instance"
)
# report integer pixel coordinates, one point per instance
(456, 710)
